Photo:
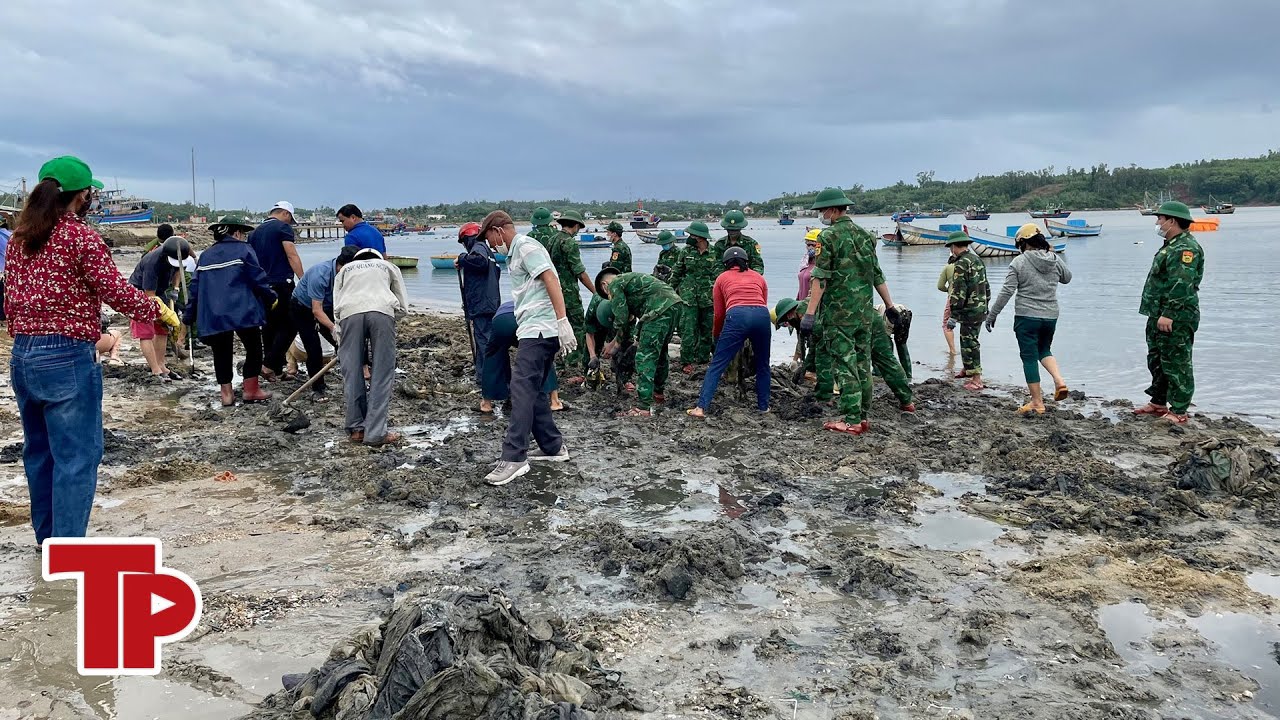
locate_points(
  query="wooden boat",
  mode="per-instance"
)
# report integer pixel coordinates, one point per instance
(975, 212)
(1219, 208)
(903, 216)
(593, 241)
(1149, 206)
(987, 244)
(113, 208)
(934, 214)
(1072, 228)
(1054, 212)
(403, 261)
(916, 235)
(892, 239)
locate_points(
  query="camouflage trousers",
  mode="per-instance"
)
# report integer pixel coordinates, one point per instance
(695, 335)
(574, 363)
(839, 351)
(652, 362)
(1169, 360)
(971, 345)
(878, 353)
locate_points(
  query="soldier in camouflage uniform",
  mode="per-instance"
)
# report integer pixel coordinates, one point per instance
(735, 222)
(694, 276)
(969, 296)
(788, 312)
(1171, 303)
(620, 259)
(844, 275)
(657, 308)
(567, 259)
(542, 230)
(667, 258)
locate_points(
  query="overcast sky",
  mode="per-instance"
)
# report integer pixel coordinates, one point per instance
(397, 102)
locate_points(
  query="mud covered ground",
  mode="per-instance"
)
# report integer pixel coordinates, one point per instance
(958, 563)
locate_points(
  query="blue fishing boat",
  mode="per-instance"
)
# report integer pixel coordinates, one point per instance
(593, 241)
(916, 235)
(903, 216)
(785, 218)
(1072, 228)
(113, 208)
(987, 244)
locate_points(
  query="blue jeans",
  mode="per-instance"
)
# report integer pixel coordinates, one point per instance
(58, 384)
(743, 323)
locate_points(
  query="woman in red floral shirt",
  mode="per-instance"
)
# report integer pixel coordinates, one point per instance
(59, 272)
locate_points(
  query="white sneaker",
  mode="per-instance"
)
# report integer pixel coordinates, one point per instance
(562, 456)
(504, 472)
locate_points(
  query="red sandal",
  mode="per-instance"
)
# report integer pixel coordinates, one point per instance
(1152, 409)
(849, 429)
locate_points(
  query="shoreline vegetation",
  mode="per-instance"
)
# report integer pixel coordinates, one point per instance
(1243, 181)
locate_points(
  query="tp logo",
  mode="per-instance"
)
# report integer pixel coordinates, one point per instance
(128, 603)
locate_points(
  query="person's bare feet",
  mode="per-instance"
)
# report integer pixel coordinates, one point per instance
(695, 412)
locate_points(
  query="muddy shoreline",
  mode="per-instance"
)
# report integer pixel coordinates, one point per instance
(961, 563)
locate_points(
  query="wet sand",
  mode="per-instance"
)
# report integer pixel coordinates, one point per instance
(959, 563)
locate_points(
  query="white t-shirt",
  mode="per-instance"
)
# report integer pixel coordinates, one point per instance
(535, 317)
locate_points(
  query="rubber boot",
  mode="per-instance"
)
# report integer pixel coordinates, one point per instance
(250, 391)
(228, 395)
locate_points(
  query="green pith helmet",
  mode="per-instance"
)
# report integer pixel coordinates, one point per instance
(606, 270)
(572, 216)
(231, 222)
(1175, 209)
(830, 197)
(665, 237)
(604, 313)
(784, 306)
(614, 226)
(541, 217)
(958, 238)
(734, 220)
(697, 228)
(72, 174)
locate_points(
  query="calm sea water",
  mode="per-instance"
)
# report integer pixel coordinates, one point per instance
(1099, 342)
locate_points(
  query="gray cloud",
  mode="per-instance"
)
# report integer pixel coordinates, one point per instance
(395, 102)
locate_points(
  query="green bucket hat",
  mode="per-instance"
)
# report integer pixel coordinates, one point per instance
(697, 228)
(614, 226)
(665, 237)
(231, 221)
(606, 270)
(734, 220)
(1175, 209)
(830, 197)
(784, 306)
(604, 313)
(572, 216)
(541, 217)
(958, 238)
(71, 173)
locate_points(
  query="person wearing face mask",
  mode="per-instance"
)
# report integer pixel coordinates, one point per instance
(667, 257)
(810, 257)
(480, 295)
(969, 296)
(59, 272)
(844, 276)
(1171, 304)
(694, 278)
(620, 258)
(230, 296)
(543, 331)
(734, 222)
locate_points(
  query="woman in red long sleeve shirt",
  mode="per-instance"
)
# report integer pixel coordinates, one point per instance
(59, 272)
(741, 313)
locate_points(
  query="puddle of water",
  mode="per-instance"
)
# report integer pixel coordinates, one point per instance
(955, 485)
(155, 697)
(1264, 583)
(1129, 627)
(1249, 644)
(943, 525)
(754, 595)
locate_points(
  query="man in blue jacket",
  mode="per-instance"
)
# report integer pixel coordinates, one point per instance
(480, 296)
(360, 233)
(312, 311)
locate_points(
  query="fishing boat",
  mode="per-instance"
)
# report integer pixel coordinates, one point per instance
(916, 235)
(903, 216)
(987, 244)
(1072, 228)
(785, 218)
(1054, 212)
(1149, 206)
(113, 208)
(404, 261)
(593, 241)
(977, 212)
(892, 239)
(1219, 208)
(642, 220)
(934, 214)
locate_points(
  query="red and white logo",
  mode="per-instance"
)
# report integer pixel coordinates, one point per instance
(128, 603)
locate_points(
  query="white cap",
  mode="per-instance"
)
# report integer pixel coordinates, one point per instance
(286, 206)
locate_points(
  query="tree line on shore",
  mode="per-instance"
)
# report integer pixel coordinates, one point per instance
(1243, 181)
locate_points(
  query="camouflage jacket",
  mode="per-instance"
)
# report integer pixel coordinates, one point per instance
(640, 296)
(755, 260)
(621, 257)
(592, 325)
(848, 268)
(567, 259)
(544, 235)
(1173, 285)
(694, 276)
(970, 292)
(669, 258)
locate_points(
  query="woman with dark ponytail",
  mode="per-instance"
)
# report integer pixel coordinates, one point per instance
(59, 272)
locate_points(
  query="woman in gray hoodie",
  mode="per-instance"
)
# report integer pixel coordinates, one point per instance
(1034, 276)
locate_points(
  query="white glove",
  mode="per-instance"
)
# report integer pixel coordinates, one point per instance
(568, 343)
(336, 332)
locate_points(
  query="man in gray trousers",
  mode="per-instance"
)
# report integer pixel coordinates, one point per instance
(368, 296)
